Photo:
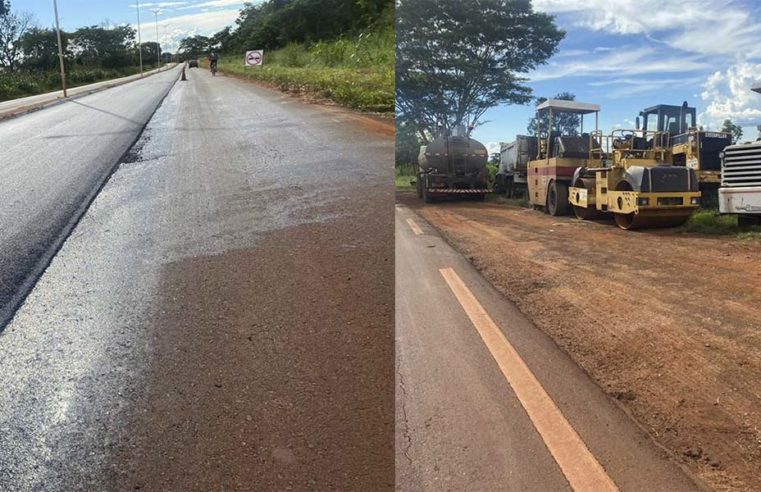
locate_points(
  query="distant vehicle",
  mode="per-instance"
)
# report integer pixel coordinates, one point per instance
(193, 63)
(453, 165)
(513, 165)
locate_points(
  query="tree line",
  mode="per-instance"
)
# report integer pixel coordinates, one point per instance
(24, 46)
(273, 24)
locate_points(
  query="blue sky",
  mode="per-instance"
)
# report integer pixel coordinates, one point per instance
(629, 55)
(177, 18)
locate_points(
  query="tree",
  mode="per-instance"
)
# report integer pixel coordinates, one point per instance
(108, 47)
(407, 142)
(456, 59)
(564, 123)
(5, 7)
(194, 47)
(735, 130)
(40, 48)
(13, 28)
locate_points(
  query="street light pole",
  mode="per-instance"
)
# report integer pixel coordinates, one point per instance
(156, 13)
(60, 48)
(139, 39)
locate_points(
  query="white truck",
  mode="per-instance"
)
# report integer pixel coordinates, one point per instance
(740, 191)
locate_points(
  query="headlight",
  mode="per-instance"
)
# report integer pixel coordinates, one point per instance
(643, 201)
(695, 200)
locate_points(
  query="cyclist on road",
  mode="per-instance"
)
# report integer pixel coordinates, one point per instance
(213, 61)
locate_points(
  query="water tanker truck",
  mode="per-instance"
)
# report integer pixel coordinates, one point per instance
(453, 165)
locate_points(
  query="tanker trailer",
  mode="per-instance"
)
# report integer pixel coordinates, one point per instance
(452, 166)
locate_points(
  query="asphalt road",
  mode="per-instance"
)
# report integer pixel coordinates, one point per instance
(486, 401)
(51, 163)
(221, 317)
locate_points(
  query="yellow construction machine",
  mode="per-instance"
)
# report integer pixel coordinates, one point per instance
(631, 175)
(550, 172)
(690, 146)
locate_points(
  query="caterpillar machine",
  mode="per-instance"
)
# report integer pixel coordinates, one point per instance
(690, 146)
(453, 165)
(550, 172)
(631, 175)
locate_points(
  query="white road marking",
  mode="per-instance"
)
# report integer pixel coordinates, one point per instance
(580, 467)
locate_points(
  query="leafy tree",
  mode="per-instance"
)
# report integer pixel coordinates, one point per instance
(735, 130)
(194, 47)
(150, 53)
(103, 46)
(564, 123)
(40, 48)
(407, 142)
(456, 59)
(13, 28)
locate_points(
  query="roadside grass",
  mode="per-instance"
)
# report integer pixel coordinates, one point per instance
(405, 176)
(708, 221)
(354, 72)
(23, 84)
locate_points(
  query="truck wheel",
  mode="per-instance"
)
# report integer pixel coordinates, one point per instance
(420, 186)
(745, 221)
(557, 199)
(510, 188)
(427, 198)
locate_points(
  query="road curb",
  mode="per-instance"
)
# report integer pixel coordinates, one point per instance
(13, 113)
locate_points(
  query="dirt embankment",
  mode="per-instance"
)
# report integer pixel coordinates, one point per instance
(667, 323)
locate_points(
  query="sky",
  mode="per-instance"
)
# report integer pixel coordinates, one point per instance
(177, 19)
(630, 55)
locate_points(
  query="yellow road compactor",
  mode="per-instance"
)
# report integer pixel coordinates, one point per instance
(631, 175)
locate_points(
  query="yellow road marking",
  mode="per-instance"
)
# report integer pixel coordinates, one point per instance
(415, 228)
(580, 467)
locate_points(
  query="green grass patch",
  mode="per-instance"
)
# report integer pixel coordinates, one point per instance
(354, 72)
(23, 84)
(708, 221)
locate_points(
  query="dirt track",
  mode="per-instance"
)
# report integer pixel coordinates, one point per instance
(667, 323)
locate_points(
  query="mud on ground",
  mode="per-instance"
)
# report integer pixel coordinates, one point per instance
(669, 324)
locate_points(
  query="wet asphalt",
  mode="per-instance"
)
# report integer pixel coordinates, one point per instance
(222, 167)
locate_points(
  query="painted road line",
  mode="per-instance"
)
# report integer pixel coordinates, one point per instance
(580, 467)
(415, 228)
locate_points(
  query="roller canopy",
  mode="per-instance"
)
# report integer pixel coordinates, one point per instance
(561, 105)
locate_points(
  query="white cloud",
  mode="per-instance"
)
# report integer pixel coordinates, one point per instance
(172, 30)
(620, 62)
(727, 95)
(707, 27)
(492, 147)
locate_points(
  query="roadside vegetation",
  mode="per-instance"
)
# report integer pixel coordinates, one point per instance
(342, 50)
(29, 61)
(708, 221)
(405, 176)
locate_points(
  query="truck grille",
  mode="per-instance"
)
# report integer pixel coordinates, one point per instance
(741, 165)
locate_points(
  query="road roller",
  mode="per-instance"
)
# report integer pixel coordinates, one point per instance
(635, 181)
(453, 165)
(560, 151)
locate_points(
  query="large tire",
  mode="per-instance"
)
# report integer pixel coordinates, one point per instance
(510, 188)
(746, 221)
(420, 186)
(427, 197)
(557, 199)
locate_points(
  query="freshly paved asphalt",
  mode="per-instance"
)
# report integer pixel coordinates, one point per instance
(52, 162)
(221, 318)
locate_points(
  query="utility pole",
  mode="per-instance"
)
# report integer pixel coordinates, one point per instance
(60, 48)
(156, 13)
(139, 39)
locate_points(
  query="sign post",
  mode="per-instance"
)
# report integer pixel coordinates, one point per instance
(254, 58)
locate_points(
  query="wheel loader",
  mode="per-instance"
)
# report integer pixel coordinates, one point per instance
(631, 176)
(550, 172)
(690, 146)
